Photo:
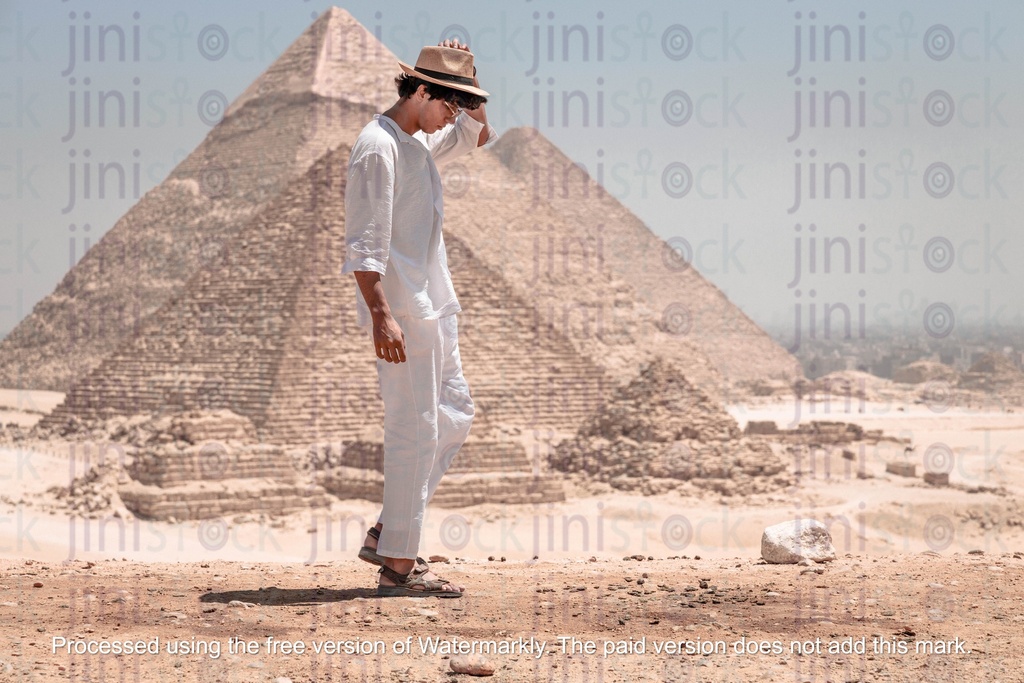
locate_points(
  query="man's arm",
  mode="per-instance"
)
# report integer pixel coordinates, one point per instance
(369, 203)
(480, 113)
(388, 340)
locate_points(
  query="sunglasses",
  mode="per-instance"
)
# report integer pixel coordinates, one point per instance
(455, 111)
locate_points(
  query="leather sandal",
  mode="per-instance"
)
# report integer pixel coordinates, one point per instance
(413, 585)
(368, 554)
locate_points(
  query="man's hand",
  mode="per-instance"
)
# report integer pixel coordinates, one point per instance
(453, 42)
(388, 339)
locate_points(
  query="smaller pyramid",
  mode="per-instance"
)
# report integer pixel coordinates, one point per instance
(205, 465)
(660, 432)
(688, 306)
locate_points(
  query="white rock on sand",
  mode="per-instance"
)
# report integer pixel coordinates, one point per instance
(799, 539)
(474, 665)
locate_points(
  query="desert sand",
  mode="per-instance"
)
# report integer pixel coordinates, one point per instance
(932, 569)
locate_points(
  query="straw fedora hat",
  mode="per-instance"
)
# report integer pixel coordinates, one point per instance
(447, 66)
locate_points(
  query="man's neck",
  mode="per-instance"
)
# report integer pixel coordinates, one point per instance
(403, 115)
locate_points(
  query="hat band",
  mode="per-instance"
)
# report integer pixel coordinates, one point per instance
(441, 76)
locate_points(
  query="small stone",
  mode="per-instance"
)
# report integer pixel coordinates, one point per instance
(282, 679)
(37, 584)
(438, 558)
(474, 665)
(901, 469)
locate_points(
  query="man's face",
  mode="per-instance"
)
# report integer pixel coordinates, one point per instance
(436, 114)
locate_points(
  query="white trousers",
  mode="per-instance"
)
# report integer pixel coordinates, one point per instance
(427, 416)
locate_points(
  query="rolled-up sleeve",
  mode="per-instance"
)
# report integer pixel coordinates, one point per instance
(457, 139)
(369, 203)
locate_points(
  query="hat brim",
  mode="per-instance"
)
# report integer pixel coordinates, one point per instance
(448, 84)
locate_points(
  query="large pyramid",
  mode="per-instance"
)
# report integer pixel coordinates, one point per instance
(269, 332)
(318, 94)
(587, 266)
(566, 294)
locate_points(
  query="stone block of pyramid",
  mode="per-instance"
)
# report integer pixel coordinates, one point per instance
(269, 333)
(486, 470)
(205, 464)
(659, 432)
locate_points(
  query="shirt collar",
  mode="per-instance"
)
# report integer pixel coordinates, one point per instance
(402, 135)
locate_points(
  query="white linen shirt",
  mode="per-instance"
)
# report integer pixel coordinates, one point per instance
(394, 211)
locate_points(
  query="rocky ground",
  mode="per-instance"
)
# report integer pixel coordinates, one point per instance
(927, 584)
(916, 617)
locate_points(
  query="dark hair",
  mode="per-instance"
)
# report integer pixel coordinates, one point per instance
(407, 85)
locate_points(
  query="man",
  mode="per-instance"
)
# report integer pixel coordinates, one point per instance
(395, 248)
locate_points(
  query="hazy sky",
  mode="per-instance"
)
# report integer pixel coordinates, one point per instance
(687, 111)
